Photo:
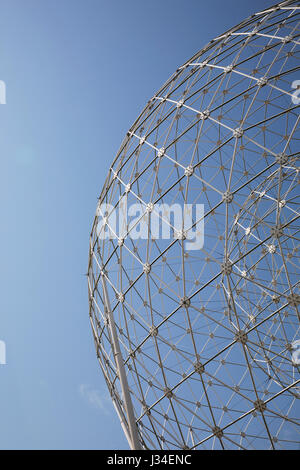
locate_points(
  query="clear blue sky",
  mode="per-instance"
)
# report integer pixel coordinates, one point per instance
(77, 74)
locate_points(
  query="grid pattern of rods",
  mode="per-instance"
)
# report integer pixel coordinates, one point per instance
(207, 336)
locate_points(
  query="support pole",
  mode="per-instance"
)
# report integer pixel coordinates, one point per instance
(133, 431)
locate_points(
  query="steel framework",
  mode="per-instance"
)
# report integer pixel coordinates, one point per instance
(199, 348)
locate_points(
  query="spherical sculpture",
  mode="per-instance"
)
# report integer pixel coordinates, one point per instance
(194, 252)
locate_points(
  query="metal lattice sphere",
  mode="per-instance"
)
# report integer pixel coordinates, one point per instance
(194, 252)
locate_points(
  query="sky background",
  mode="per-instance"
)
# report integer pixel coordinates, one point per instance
(77, 72)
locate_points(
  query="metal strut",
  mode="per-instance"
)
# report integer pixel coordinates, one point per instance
(132, 434)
